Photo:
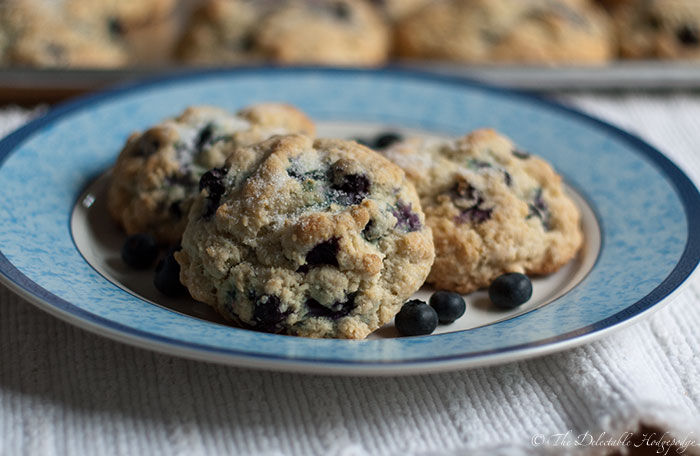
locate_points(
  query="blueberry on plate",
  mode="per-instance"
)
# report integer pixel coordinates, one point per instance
(448, 305)
(139, 250)
(416, 318)
(509, 291)
(167, 278)
(384, 140)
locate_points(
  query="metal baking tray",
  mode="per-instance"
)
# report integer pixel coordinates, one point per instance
(29, 86)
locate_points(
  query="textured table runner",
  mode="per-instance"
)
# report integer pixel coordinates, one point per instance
(66, 391)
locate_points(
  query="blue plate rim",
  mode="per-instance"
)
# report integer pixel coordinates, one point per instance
(687, 192)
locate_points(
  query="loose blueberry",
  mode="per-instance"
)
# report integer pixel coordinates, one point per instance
(511, 290)
(167, 278)
(416, 318)
(448, 305)
(139, 251)
(688, 35)
(384, 140)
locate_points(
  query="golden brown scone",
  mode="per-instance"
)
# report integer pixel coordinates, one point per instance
(320, 238)
(33, 33)
(335, 32)
(157, 173)
(652, 29)
(221, 31)
(520, 31)
(493, 209)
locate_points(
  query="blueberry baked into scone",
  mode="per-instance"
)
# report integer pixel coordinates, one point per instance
(157, 173)
(317, 238)
(493, 209)
(523, 31)
(667, 29)
(342, 32)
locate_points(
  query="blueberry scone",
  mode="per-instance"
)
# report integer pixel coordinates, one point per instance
(339, 32)
(290, 31)
(320, 238)
(493, 209)
(33, 33)
(525, 31)
(146, 28)
(157, 172)
(221, 31)
(659, 29)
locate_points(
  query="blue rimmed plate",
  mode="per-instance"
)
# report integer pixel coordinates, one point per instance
(60, 251)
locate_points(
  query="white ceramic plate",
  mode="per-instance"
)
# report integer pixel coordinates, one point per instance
(60, 250)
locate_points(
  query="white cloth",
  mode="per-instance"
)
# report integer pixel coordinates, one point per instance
(65, 391)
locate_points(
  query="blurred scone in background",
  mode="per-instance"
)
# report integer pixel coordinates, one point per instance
(123, 33)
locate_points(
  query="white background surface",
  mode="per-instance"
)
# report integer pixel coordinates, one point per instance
(65, 391)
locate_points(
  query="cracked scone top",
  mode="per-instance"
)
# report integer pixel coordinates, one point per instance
(320, 238)
(492, 208)
(157, 172)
